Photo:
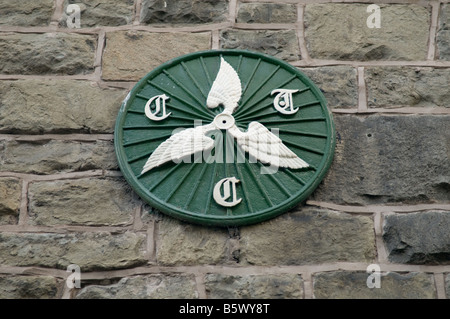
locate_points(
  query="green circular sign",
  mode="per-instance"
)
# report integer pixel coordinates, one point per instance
(224, 137)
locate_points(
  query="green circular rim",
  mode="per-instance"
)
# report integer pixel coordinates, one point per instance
(226, 220)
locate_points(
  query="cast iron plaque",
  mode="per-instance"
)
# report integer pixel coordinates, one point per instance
(224, 137)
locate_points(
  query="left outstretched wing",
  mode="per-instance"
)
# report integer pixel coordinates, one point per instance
(266, 147)
(180, 145)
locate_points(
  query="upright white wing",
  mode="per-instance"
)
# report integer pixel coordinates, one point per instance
(266, 147)
(226, 88)
(180, 145)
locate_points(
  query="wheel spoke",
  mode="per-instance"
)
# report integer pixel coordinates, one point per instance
(244, 189)
(205, 70)
(244, 108)
(308, 149)
(152, 127)
(257, 180)
(283, 131)
(185, 89)
(211, 189)
(263, 82)
(287, 121)
(246, 116)
(271, 102)
(173, 169)
(274, 178)
(177, 186)
(251, 77)
(195, 187)
(145, 140)
(193, 79)
(240, 177)
(297, 178)
(134, 159)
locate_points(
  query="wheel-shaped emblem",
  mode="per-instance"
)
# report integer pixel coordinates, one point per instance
(224, 137)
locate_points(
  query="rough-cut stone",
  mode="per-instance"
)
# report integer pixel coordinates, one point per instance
(144, 287)
(283, 286)
(418, 238)
(50, 106)
(48, 53)
(340, 31)
(26, 13)
(91, 202)
(266, 13)
(100, 12)
(353, 285)
(10, 194)
(90, 251)
(403, 86)
(149, 215)
(29, 287)
(54, 156)
(337, 83)
(447, 283)
(443, 34)
(280, 44)
(148, 50)
(181, 243)
(183, 11)
(310, 236)
(389, 159)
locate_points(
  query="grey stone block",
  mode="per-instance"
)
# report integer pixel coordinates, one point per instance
(382, 159)
(418, 238)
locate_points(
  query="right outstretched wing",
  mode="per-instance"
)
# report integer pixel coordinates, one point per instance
(266, 147)
(180, 145)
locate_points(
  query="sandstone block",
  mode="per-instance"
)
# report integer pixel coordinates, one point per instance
(90, 251)
(129, 55)
(403, 34)
(144, 287)
(56, 156)
(181, 243)
(53, 106)
(48, 53)
(100, 12)
(337, 83)
(89, 201)
(183, 11)
(443, 34)
(29, 287)
(266, 13)
(447, 285)
(353, 285)
(309, 236)
(10, 195)
(280, 286)
(280, 44)
(402, 86)
(27, 13)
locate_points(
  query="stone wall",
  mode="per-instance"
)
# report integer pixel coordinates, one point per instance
(385, 201)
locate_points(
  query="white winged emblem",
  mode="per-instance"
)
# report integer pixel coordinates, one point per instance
(258, 141)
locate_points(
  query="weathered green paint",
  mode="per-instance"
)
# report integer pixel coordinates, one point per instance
(184, 190)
